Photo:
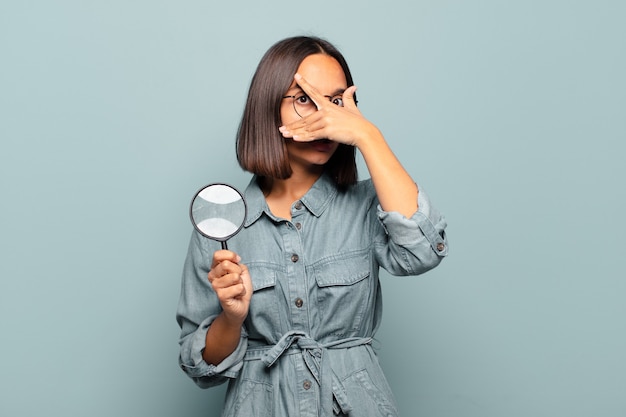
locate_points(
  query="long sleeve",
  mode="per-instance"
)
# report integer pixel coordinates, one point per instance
(411, 246)
(197, 308)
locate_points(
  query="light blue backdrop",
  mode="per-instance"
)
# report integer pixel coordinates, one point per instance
(511, 114)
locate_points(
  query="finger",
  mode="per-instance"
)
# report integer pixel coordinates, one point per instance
(246, 280)
(234, 285)
(226, 281)
(222, 269)
(225, 268)
(224, 255)
(312, 132)
(245, 274)
(234, 291)
(304, 135)
(301, 125)
(317, 97)
(348, 97)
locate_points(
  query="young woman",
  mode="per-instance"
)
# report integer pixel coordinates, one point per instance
(287, 316)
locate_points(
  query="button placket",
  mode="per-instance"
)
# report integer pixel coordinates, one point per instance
(296, 268)
(307, 398)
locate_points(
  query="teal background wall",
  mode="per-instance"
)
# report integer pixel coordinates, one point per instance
(510, 113)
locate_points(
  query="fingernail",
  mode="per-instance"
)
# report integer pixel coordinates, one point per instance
(297, 76)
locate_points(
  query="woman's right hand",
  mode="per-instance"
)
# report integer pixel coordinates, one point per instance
(232, 284)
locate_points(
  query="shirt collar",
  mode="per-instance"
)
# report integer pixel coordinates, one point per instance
(315, 200)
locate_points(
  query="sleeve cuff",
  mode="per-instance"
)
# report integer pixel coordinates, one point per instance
(195, 367)
(423, 224)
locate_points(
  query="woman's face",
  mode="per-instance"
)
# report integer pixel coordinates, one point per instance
(325, 74)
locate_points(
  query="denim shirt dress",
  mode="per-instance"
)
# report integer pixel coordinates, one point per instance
(306, 345)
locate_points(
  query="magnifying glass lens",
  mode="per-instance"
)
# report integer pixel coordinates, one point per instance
(218, 212)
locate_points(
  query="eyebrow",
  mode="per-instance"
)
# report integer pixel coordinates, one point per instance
(337, 92)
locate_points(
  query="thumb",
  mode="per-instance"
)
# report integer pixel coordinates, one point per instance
(247, 282)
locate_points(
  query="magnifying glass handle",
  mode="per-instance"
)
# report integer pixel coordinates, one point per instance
(224, 246)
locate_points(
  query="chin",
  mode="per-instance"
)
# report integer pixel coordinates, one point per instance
(316, 153)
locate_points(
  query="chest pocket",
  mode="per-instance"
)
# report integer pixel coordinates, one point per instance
(344, 292)
(263, 321)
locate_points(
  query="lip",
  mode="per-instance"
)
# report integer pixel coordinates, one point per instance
(322, 145)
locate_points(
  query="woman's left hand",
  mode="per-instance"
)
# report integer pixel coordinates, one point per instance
(330, 121)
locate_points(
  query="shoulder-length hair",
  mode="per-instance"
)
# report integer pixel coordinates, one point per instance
(261, 148)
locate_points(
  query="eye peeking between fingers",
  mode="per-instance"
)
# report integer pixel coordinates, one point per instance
(304, 106)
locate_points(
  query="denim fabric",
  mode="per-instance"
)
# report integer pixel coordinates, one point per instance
(306, 346)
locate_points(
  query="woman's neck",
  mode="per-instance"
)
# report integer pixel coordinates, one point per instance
(281, 194)
(293, 187)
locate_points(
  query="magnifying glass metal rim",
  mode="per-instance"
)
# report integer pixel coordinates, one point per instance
(224, 238)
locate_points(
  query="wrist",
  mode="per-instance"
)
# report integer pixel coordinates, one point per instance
(232, 321)
(371, 139)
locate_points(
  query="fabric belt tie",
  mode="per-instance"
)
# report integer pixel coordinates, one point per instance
(313, 354)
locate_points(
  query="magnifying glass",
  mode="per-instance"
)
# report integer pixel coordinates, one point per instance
(218, 211)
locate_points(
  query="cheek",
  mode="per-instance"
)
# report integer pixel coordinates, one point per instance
(288, 114)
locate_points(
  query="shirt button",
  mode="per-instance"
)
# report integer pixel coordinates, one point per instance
(306, 385)
(298, 205)
(298, 226)
(299, 302)
(440, 247)
(294, 258)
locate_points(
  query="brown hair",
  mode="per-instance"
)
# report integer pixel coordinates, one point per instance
(261, 148)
